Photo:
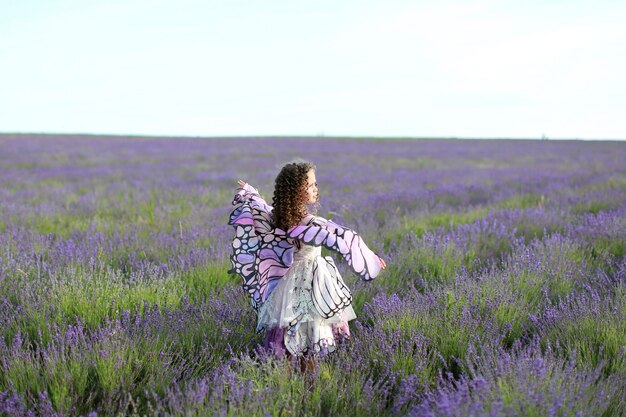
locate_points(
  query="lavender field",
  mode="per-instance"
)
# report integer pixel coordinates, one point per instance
(505, 292)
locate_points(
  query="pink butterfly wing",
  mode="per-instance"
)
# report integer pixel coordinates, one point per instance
(340, 239)
(261, 253)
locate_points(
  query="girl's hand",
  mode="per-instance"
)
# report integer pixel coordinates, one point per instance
(241, 183)
(383, 265)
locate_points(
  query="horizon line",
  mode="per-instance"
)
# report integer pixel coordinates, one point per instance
(299, 136)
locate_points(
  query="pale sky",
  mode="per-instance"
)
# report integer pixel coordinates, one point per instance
(518, 69)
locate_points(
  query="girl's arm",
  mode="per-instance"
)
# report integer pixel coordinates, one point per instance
(363, 261)
(330, 226)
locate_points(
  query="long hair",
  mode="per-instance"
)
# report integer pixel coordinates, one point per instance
(289, 199)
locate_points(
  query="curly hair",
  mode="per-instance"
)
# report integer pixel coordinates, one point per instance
(289, 199)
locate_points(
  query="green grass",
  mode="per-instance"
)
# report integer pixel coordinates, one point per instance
(90, 297)
(201, 280)
(153, 211)
(420, 223)
(594, 206)
(605, 248)
(425, 267)
(84, 374)
(595, 337)
(447, 326)
(92, 301)
(91, 372)
(522, 201)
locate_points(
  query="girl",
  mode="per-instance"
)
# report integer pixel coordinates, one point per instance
(302, 302)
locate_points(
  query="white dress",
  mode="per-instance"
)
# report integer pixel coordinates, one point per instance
(294, 304)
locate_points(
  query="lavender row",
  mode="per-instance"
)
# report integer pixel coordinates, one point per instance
(416, 353)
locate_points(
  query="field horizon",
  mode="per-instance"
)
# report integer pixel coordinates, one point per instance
(16, 135)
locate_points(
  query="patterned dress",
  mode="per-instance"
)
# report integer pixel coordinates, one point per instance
(289, 315)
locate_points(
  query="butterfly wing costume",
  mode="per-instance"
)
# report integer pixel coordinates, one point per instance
(291, 286)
